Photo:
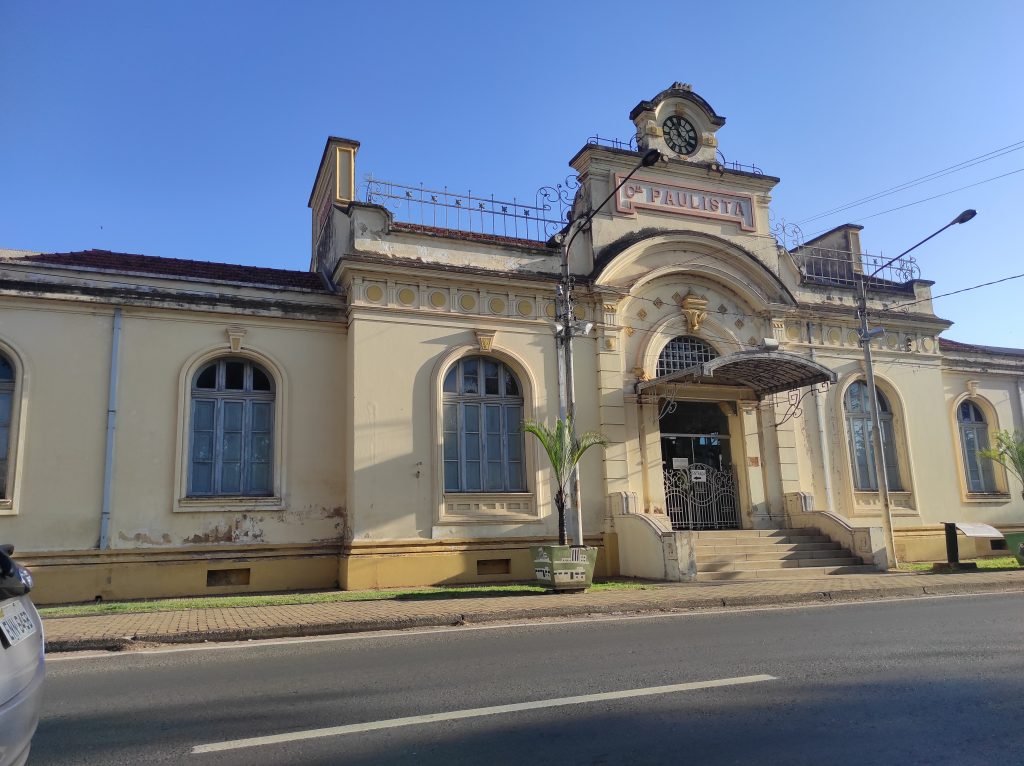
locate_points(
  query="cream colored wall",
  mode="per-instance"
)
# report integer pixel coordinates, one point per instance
(67, 352)
(63, 359)
(396, 487)
(923, 396)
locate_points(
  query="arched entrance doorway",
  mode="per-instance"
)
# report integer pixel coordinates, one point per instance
(700, 405)
(697, 462)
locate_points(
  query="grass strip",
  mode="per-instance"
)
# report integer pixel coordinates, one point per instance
(997, 564)
(319, 597)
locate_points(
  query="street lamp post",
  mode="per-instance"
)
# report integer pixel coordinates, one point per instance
(866, 336)
(566, 327)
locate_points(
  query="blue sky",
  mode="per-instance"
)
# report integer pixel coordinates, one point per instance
(193, 129)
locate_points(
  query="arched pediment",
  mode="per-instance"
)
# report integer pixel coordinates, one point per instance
(654, 255)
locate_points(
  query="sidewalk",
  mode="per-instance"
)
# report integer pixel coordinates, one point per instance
(120, 631)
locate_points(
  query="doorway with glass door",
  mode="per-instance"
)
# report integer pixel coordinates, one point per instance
(696, 453)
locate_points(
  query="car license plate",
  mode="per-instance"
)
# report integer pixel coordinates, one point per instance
(15, 623)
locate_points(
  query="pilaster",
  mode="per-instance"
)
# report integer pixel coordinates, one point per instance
(752, 468)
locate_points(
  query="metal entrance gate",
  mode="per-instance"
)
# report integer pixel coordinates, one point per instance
(701, 497)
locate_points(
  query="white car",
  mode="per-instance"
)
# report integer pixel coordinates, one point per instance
(21, 661)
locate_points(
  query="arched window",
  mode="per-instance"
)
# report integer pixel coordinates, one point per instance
(232, 430)
(862, 448)
(974, 437)
(483, 439)
(6, 407)
(682, 352)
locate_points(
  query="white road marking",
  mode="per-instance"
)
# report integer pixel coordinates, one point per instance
(455, 715)
(531, 623)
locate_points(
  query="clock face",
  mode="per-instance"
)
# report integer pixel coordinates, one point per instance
(680, 135)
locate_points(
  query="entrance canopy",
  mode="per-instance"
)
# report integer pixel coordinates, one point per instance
(764, 372)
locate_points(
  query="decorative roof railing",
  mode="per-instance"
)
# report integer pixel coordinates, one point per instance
(614, 143)
(457, 213)
(739, 166)
(840, 268)
(631, 146)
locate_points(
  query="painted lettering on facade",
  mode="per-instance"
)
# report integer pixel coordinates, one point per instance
(684, 200)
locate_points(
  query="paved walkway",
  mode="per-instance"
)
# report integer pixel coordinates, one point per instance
(239, 623)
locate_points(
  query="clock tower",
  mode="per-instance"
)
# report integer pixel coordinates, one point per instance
(678, 123)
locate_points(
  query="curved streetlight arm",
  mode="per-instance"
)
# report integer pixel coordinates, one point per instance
(964, 217)
(651, 157)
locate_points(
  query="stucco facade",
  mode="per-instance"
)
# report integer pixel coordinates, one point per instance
(370, 444)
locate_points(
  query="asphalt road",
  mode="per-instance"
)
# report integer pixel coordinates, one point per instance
(930, 681)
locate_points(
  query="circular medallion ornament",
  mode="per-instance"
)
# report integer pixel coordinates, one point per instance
(438, 300)
(468, 302)
(497, 306)
(680, 135)
(525, 308)
(406, 296)
(374, 293)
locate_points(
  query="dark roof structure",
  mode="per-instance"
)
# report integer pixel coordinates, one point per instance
(151, 265)
(764, 372)
(945, 344)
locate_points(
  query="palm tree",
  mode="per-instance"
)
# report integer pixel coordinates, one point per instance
(564, 449)
(1008, 452)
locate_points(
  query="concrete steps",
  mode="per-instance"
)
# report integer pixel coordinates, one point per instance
(771, 554)
(808, 573)
(821, 545)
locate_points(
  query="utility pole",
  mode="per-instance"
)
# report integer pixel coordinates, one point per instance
(866, 335)
(566, 327)
(881, 472)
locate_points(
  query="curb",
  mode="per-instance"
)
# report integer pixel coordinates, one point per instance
(562, 609)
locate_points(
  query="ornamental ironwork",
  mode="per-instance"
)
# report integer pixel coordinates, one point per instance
(701, 496)
(793, 401)
(449, 211)
(842, 268)
(787, 235)
(614, 143)
(683, 353)
(753, 169)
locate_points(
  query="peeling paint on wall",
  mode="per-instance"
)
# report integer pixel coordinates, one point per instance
(247, 528)
(143, 538)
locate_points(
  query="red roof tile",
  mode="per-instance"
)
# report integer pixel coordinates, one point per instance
(178, 267)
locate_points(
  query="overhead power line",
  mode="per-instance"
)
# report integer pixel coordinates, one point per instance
(943, 194)
(987, 157)
(956, 292)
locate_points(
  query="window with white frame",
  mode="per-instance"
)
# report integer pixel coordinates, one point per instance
(6, 408)
(974, 437)
(483, 438)
(862, 446)
(231, 432)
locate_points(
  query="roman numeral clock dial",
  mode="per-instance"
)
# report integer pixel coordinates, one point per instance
(680, 135)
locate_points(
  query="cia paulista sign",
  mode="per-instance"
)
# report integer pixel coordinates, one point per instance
(684, 200)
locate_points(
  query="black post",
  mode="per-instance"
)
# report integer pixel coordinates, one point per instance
(952, 550)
